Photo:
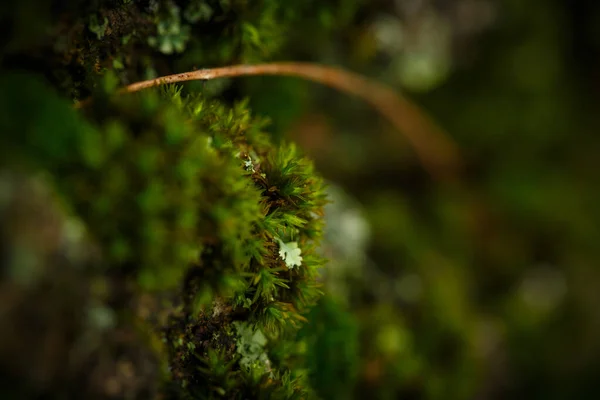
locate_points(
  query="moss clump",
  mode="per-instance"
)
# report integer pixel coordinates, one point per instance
(190, 202)
(76, 42)
(187, 202)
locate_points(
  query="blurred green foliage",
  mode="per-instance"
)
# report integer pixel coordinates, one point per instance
(489, 288)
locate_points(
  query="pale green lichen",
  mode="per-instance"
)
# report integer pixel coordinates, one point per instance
(290, 253)
(251, 346)
(98, 28)
(172, 36)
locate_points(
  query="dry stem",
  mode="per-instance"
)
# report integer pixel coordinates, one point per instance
(437, 152)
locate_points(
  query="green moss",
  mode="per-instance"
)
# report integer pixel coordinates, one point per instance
(77, 42)
(186, 200)
(189, 197)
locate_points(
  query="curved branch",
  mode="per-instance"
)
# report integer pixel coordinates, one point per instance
(438, 154)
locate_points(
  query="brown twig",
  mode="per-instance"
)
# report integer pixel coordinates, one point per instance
(437, 152)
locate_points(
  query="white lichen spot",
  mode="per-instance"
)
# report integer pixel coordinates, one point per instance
(251, 347)
(290, 253)
(249, 165)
